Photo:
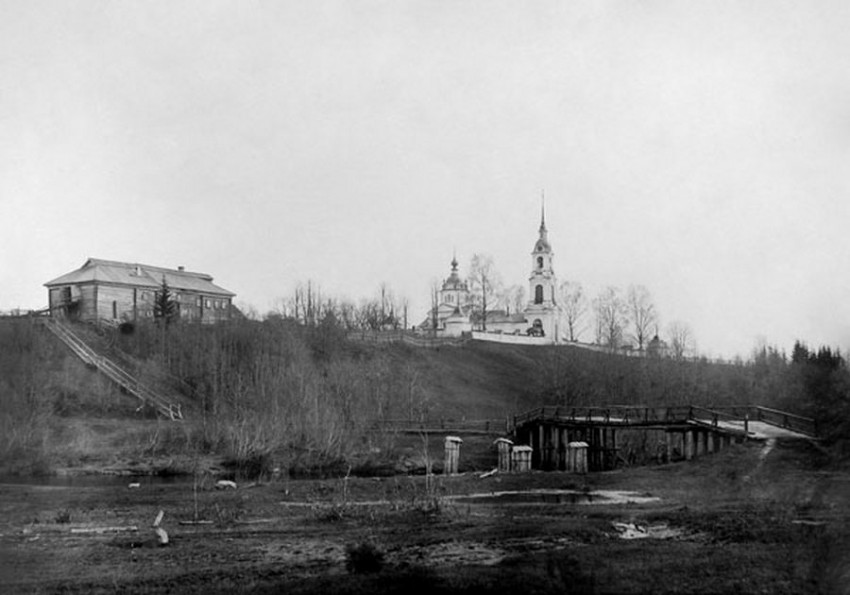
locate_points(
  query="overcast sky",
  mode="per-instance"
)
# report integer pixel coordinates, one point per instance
(698, 148)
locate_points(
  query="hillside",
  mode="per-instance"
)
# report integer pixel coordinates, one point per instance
(473, 380)
(258, 393)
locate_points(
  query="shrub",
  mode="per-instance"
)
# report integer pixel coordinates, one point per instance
(363, 558)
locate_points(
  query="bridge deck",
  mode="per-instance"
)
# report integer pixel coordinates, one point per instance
(757, 422)
(760, 430)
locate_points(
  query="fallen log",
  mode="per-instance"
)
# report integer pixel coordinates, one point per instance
(161, 535)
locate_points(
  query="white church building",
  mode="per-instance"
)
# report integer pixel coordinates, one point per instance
(454, 314)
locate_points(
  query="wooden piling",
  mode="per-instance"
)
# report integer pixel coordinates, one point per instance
(452, 455)
(562, 449)
(521, 458)
(577, 457)
(504, 446)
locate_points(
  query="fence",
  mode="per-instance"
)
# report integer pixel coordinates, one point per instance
(408, 337)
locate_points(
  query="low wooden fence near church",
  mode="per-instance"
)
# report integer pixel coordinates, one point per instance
(408, 337)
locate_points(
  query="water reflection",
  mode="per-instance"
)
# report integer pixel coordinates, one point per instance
(91, 481)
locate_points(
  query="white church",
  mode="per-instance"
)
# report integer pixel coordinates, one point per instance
(540, 317)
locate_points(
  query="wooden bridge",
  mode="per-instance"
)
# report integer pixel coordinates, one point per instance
(111, 370)
(689, 430)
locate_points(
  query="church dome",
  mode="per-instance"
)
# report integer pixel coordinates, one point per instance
(453, 281)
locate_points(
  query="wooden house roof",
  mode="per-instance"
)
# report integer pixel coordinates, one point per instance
(139, 275)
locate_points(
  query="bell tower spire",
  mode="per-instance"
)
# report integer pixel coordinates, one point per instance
(542, 211)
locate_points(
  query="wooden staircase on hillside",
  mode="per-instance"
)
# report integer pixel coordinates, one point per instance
(112, 371)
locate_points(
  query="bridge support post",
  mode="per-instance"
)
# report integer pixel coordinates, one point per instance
(688, 437)
(668, 443)
(711, 445)
(452, 455)
(613, 448)
(554, 446)
(595, 449)
(504, 447)
(537, 445)
(577, 457)
(562, 449)
(521, 458)
(603, 450)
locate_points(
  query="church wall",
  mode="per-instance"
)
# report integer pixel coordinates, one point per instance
(508, 327)
(522, 339)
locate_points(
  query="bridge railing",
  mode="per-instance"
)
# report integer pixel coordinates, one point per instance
(774, 417)
(714, 416)
(790, 421)
(626, 415)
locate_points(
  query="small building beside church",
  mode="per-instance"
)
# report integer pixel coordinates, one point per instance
(454, 314)
(126, 292)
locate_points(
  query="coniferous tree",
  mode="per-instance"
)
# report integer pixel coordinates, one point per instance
(165, 308)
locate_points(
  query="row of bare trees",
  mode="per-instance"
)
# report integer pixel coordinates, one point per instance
(308, 305)
(622, 318)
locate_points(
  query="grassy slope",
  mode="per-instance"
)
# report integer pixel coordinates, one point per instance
(475, 380)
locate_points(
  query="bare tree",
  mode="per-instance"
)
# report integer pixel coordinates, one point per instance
(513, 298)
(573, 307)
(484, 285)
(386, 303)
(611, 317)
(369, 315)
(681, 338)
(642, 314)
(435, 303)
(348, 314)
(405, 304)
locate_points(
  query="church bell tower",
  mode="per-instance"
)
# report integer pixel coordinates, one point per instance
(542, 281)
(542, 309)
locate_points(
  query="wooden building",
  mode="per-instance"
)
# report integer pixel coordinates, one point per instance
(125, 292)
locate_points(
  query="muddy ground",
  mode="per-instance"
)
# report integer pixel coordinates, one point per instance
(735, 521)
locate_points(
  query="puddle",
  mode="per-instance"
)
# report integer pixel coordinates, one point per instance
(548, 497)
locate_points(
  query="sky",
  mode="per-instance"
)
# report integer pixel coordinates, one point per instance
(701, 149)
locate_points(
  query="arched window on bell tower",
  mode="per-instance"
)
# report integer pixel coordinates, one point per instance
(539, 262)
(538, 294)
